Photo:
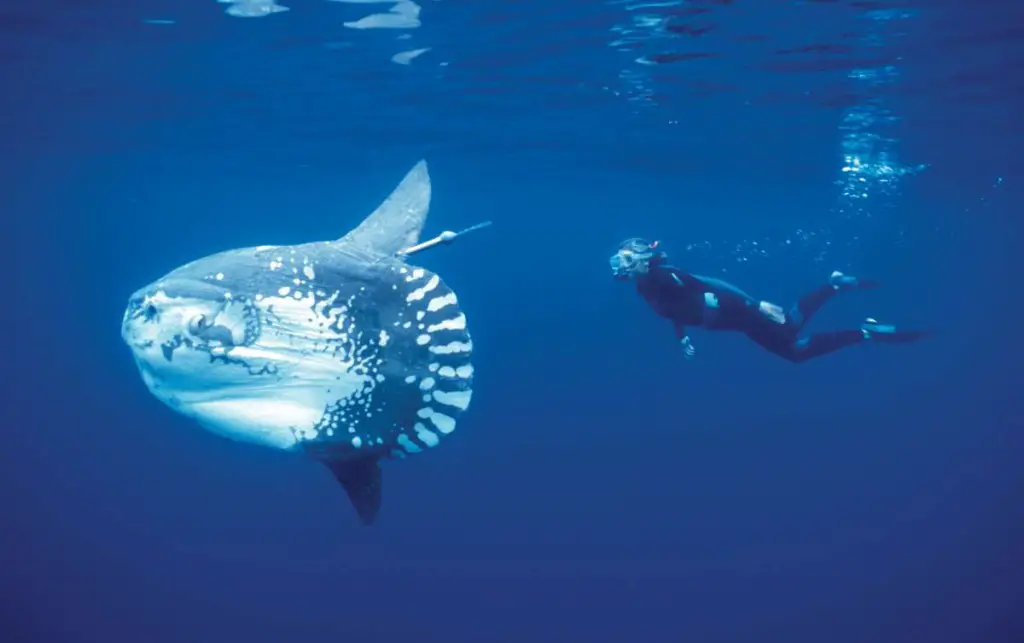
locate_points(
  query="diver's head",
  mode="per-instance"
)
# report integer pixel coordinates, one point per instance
(635, 257)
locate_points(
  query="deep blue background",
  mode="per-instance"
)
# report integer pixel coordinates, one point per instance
(601, 488)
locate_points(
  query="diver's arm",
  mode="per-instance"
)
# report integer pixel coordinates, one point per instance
(680, 330)
(674, 280)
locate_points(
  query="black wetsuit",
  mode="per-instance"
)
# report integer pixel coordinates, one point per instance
(691, 300)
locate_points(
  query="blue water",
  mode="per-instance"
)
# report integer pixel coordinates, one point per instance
(601, 488)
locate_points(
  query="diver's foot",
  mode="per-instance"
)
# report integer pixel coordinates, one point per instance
(875, 331)
(840, 281)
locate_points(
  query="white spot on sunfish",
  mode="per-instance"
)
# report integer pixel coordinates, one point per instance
(437, 303)
(276, 265)
(283, 290)
(454, 347)
(425, 435)
(406, 57)
(409, 379)
(219, 276)
(423, 339)
(445, 424)
(357, 442)
(404, 14)
(420, 292)
(465, 372)
(406, 324)
(308, 271)
(458, 399)
(427, 383)
(416, 274)
(446, 371)
(384, 337)
(253, 8)
(407, 444)
(434, 367)
(456, 323)
(420, 315)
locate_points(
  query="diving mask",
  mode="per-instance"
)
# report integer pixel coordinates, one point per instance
(633, 258)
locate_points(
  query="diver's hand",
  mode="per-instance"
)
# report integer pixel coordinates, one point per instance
(688, 350)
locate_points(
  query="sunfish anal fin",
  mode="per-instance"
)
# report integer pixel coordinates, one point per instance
(397, 222)
(361, 480)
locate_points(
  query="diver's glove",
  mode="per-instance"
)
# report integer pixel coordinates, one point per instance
(688, 350)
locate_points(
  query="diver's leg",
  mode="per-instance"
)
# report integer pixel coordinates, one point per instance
(785, 342)
(812, 303)
(806, 348)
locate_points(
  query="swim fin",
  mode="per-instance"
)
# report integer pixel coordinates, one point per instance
(875, 331)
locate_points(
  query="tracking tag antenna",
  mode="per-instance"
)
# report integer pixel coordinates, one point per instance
(447, 237)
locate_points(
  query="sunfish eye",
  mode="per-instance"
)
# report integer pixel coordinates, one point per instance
(203, 328)
(149, 312)
(198, 324)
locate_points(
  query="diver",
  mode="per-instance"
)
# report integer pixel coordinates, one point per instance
(689, 300)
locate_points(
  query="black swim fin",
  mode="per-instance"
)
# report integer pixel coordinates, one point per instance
(361, 480)
(877, 332)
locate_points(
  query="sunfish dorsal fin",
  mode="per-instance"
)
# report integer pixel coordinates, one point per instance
(397, 222)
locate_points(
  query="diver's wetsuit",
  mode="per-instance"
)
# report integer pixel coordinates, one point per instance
(691, 300)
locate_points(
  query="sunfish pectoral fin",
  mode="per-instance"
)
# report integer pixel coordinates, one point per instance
(399, 220)
(361, 480)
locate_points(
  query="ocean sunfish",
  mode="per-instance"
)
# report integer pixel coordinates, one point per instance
(337, 349)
